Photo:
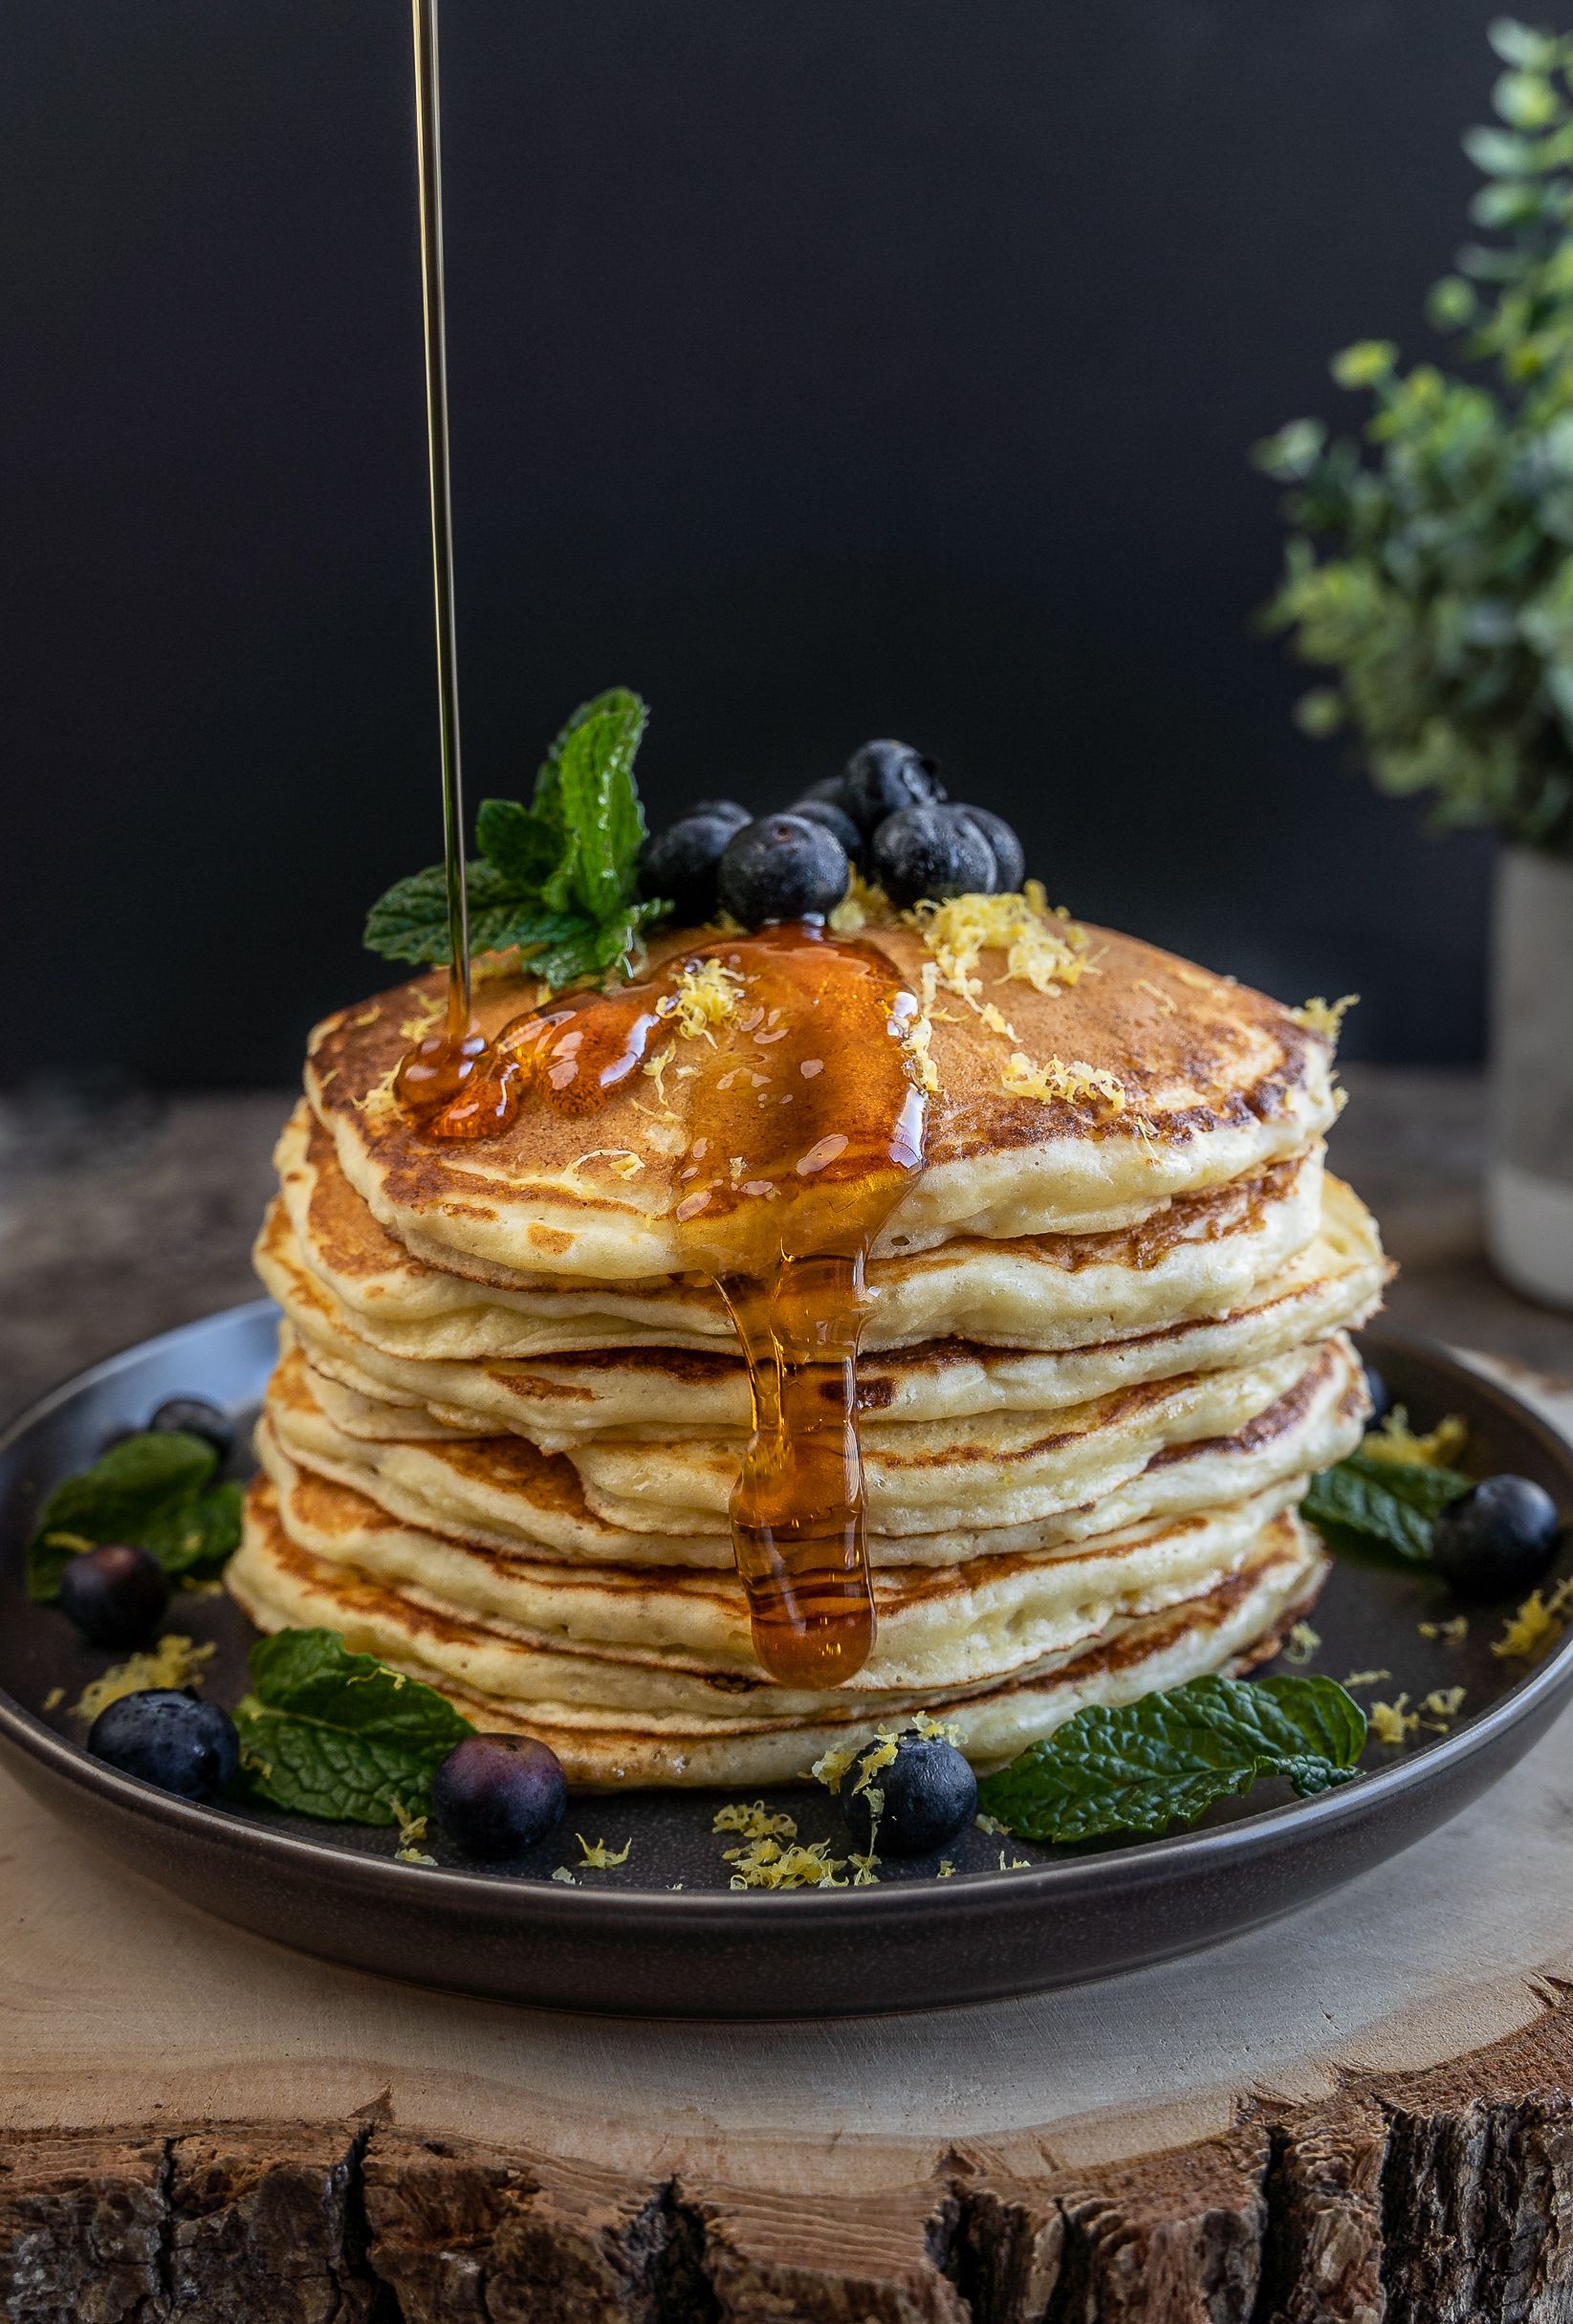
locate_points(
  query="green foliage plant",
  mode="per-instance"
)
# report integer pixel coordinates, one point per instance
(1431, 563)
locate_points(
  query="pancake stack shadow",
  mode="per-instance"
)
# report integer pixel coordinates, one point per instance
(1106, 1350)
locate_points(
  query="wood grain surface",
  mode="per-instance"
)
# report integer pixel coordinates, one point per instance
(1363, 2113)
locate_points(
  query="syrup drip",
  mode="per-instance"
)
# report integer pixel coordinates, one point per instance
(804, 1128)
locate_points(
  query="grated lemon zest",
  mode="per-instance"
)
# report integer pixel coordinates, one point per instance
(1155, 992)
(1324, 1017)
(706, 994)
(936, 1730)
(563, 1875)
(1396, 1441)
(620, 1159)
(867, 1874)
(1016, 1864)
(1451, 1634)
(767, 1864)
(1442, 1705)
(174, 1663)
(599, 1857)
(831, 1765)
(54, 1697)
(946, 1870)
(921, 1070)
(992, 1825)
(755, 1823)
(1391, 1721)
(863, 906)
(1303, 1642)
(656, 1067)
(428, 1009)
(1043, 948)
(1533, 1630)
(1059, 1080)
(1366, 1677)
(878, 1757)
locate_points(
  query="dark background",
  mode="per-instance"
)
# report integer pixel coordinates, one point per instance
(820, 368)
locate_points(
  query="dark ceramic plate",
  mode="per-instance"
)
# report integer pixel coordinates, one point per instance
(663, 1935)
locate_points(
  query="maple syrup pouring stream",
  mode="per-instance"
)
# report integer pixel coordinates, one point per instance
(442, 1063)
(803, 1130)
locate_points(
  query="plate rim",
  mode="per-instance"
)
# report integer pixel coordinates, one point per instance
(455, 1890)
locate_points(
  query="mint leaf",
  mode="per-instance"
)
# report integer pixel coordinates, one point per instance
(150, 1489)
(1386, 1505)
(1166, 1758)
(332, 1734)
(198, 1537)
(557, 878)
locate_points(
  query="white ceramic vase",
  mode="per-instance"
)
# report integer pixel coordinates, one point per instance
(1529, 1180)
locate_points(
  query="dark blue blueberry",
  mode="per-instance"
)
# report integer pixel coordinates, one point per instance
(929, 1794)
(496, 1794)
(884, 777)
(1009, 854)
(831, 818)
(931, 851)
(116, 1595)
(1381, 1395)
(192, 1416)
(722, 810)
(782, 868)
(171, 1739)
(1495, 1539)
(681, 863)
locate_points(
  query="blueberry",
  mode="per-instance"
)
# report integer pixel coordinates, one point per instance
(496, 1794)
(930, 1793)
(1497, 1538)
(1380, 1394)
(116, 1595)
(782, 868)
(884, 777)
(195, 1417)
(171, 1739)
(719, 810)
(1009, 854)
(931, 851)
(681, 863)
(831, 818)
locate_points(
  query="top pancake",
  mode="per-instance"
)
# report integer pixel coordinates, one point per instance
(1218, 1082)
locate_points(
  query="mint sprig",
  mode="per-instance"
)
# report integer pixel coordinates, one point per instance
(154, 1489)
(1365, 1506)
(557, 878)
(1165, 1759)
(328, 1733)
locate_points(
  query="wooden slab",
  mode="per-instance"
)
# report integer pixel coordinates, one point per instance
(1360, 2113)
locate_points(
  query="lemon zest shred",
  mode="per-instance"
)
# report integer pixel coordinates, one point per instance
(1324, 1017)
(1533, 1630)
(1155, 992)
(54, 1697)
(621, 1160)
(1301, 1643)
(599, 1857)
(1396, 1441)
(174, 1661)
(946, 1870)
(755, 1821)
(1366, 1677)
(1451, 1634)
(992, 1825)
(1442, 1706)
(1391, 1721)
(863, 906)
(1057, 1080)
(767, 1864)
(562, 1874)
(706, 994)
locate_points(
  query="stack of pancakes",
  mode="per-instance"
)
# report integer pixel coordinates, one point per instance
(1104, 1351)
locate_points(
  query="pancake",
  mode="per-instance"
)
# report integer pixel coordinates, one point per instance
(502, 1680)
(937, 1625)
(1199, 1257)
(503, 1493)
(1216, 1084)
(1333, 1282)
